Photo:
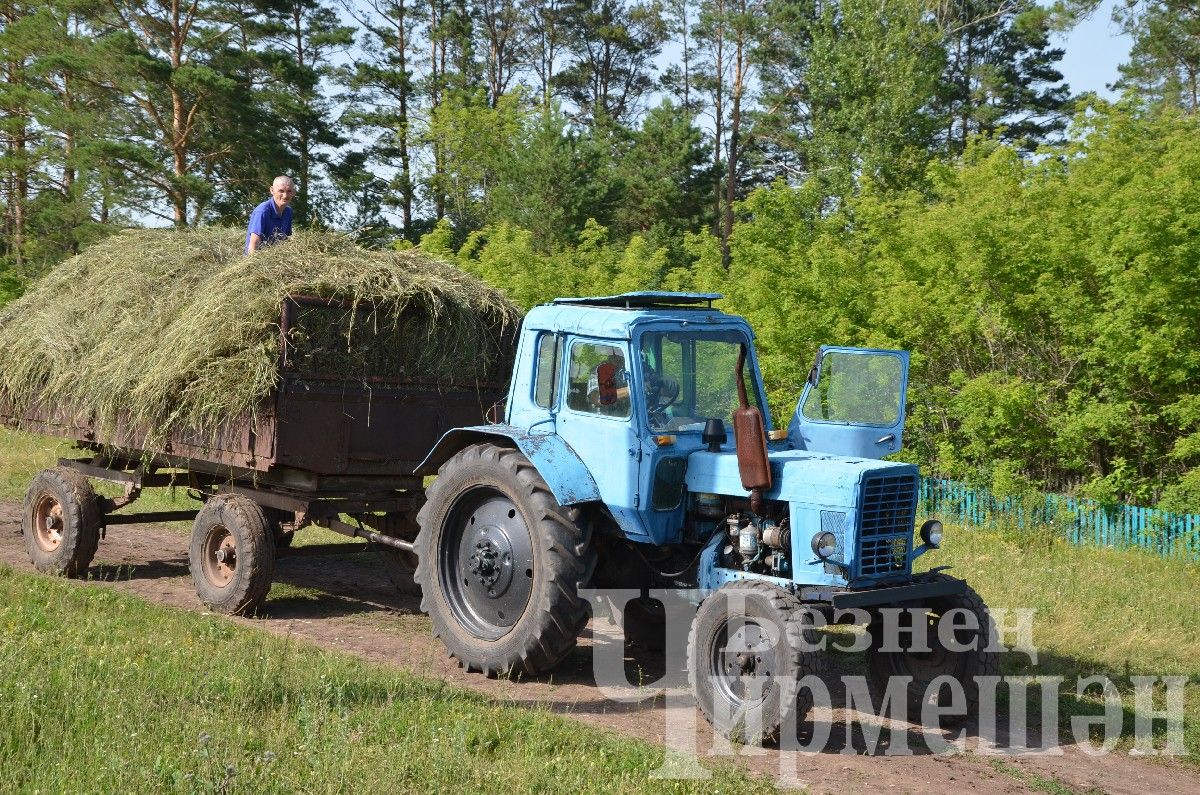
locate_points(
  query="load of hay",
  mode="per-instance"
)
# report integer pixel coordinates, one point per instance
(174, 330)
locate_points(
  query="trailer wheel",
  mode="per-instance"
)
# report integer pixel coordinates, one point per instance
(400, 566)
(61, 522)
(232, 555)
(750, 644)
(924, 667)
(500, 563)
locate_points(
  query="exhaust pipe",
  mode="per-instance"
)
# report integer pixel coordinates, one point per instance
(750, 439)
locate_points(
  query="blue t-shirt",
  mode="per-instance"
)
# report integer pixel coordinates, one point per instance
(268, 223)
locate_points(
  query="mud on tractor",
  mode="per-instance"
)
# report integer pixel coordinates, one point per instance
(636, 452)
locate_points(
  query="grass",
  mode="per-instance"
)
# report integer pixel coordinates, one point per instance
(1119, 613)
(102, 692)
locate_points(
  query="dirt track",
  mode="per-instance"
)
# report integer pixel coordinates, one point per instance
(347, 604)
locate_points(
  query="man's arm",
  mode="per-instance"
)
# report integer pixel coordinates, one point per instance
(255, 242)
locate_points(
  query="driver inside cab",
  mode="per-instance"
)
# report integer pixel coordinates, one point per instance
(608, 387)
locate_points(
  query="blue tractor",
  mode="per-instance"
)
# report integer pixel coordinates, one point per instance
(634, 454)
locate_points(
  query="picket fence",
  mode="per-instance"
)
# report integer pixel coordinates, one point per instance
(1081, 521)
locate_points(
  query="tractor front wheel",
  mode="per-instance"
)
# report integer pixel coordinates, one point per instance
(500, 563)
(750, 644)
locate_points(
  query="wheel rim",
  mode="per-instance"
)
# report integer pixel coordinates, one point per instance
(741, 660)
(486, 564)
(48, 523)
(219, 556)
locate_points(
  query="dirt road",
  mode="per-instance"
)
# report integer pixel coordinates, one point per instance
(338, 597)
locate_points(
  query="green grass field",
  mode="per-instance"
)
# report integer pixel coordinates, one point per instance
(103, 692)
(1118, 613)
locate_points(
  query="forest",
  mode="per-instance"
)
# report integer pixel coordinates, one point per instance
(893, 173)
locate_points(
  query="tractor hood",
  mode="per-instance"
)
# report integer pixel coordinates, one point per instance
(798, 476)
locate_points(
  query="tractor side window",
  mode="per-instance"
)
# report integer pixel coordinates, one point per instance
(549, 354)
(598, 382)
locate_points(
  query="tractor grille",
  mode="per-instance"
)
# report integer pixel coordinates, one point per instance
(885, 525)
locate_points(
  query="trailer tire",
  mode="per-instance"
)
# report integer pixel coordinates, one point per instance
(61, 522)
(232, 555)
(735, 621)
(500, 563)
(401, 566)
(981, 659)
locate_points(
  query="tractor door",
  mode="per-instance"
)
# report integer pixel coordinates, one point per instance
(853, 403)
(597, 422)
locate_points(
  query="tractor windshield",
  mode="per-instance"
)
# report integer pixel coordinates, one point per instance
(688, 377)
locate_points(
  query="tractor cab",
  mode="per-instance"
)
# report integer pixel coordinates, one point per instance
(636, 385)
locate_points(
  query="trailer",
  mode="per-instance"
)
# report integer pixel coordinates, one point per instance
(335, 445)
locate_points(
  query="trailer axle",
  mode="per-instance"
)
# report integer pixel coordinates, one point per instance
(338, 526)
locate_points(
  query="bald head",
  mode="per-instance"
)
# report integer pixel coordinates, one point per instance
(283, 190)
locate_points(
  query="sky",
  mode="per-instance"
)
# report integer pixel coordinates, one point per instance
(1094, 50)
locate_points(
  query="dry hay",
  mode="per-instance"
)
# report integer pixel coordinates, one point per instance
(177, 330)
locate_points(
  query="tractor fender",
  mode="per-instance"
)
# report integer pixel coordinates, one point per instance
(562, 469)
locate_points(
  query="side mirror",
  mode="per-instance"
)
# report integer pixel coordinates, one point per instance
(606, 380)
(815, 372)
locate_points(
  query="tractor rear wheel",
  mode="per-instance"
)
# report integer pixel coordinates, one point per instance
(500, 563)
(232, 555)
(61, 522)
(978, 659)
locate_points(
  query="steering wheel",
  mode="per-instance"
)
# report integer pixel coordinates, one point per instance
(654, 391)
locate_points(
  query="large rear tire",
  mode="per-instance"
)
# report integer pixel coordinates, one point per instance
(61, 522)
(232, 555)
(500, 563)
(980, 659)
(750, 643)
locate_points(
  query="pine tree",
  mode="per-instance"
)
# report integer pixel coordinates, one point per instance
(1000, 76)
(1164, 62)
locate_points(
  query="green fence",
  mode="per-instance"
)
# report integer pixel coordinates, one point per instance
(1173, 535)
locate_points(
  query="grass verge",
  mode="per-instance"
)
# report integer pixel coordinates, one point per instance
(102, 692)
(1111, 612)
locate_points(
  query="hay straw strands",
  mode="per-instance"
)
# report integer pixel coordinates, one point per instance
(177, 330)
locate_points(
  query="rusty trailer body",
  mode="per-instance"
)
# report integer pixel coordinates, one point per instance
(341, 435)
(318, 429)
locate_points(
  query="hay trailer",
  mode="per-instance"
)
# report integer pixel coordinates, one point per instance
(334, 440)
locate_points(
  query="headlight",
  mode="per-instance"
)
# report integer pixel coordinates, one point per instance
(824, 544)
(931, 533)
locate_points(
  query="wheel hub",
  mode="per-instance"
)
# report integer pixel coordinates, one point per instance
(48, 523)
(491, 562)
(488, 565)
(220, 557)
(743, 664)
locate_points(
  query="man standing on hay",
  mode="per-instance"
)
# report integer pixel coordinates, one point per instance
(271, 221)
